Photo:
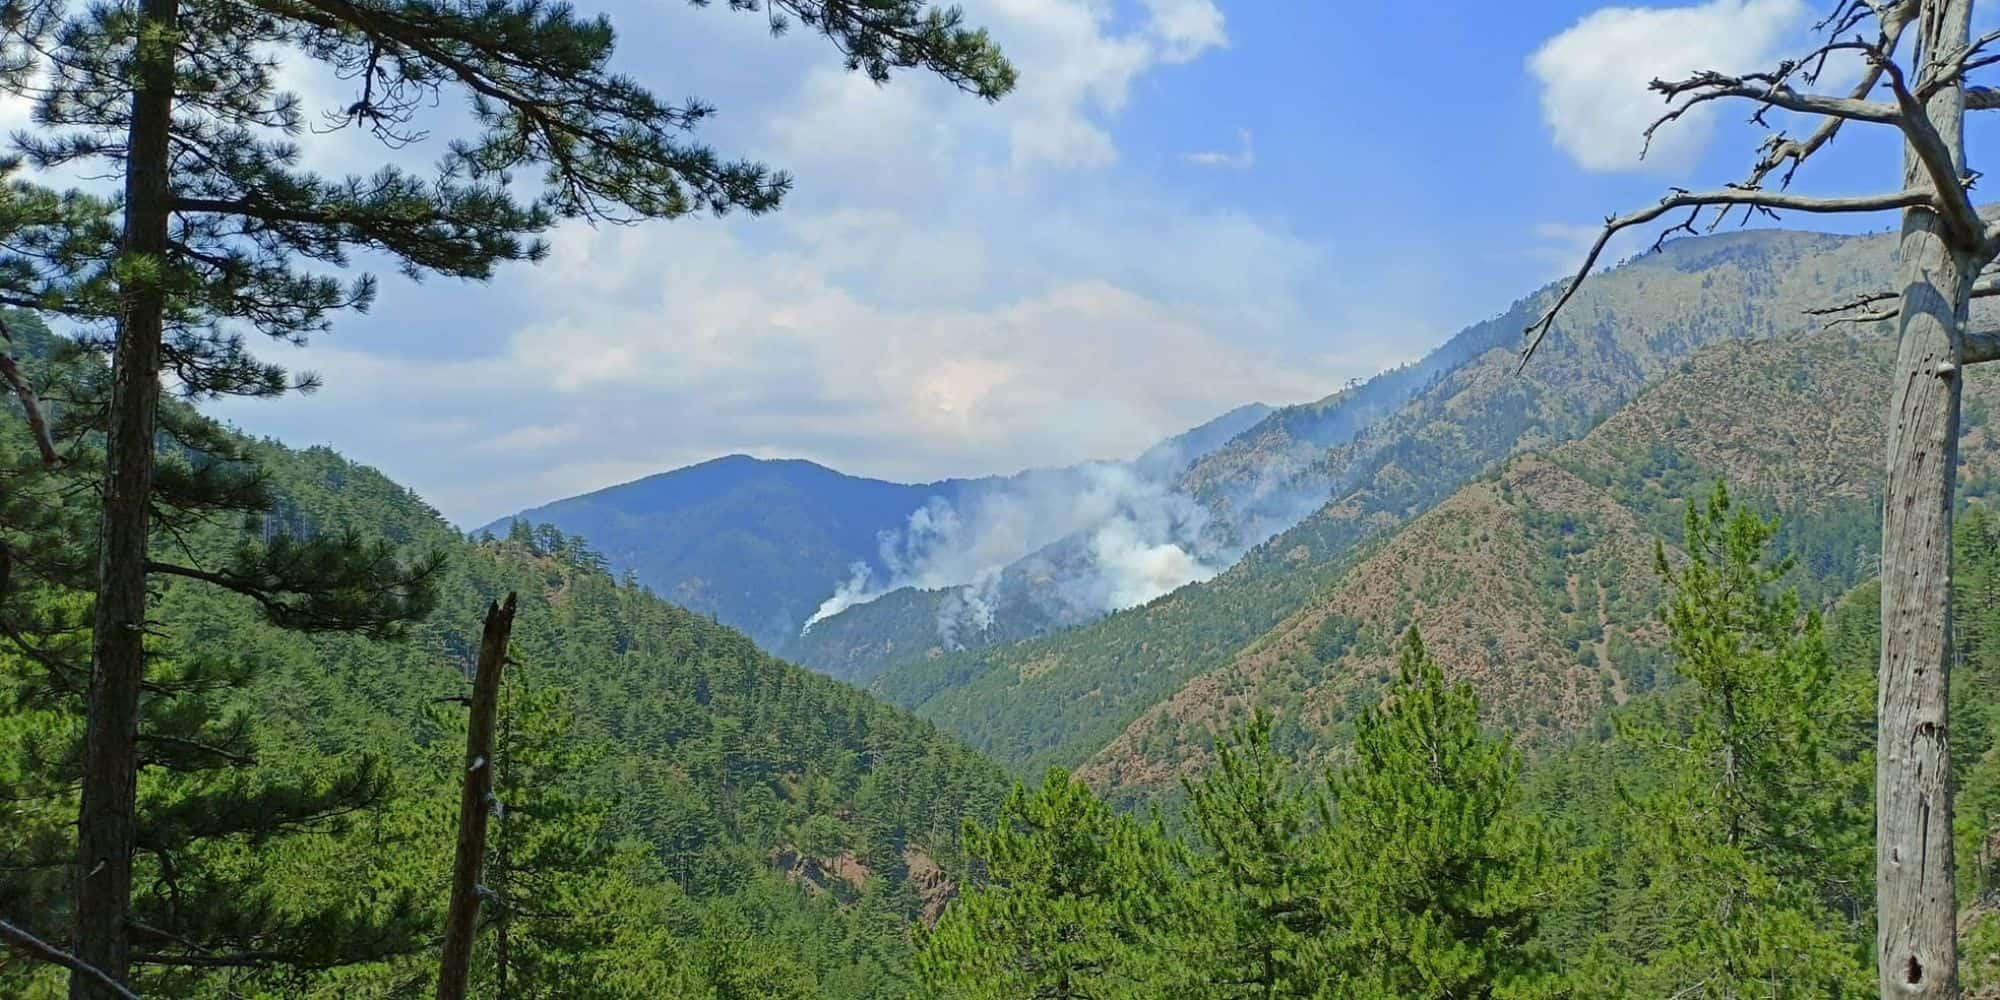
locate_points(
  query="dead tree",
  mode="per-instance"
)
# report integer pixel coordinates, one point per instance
(475, 804)
(1945, 252)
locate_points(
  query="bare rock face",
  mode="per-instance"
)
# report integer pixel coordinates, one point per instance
(933, 888)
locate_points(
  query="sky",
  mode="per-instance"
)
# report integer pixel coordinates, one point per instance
(1186, 205)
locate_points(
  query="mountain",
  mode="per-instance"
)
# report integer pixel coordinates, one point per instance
(770, 545)
(1168, 458)
(1537, 581)
(701, 818)
(752, 541)
(1061, 698)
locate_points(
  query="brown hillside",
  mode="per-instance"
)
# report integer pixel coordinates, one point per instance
(1537, 583)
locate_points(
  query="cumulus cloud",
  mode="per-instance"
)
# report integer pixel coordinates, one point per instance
(644, 348)
(1243, 157)
(902, 317)
(1187, 27)
(1593, 76)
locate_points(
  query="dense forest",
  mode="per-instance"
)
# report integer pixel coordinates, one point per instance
(683, 815)
(1591, 655)
(1711, 837)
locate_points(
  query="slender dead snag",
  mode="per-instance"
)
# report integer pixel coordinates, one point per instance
(475, 804)
(1943, 257)
(42, 951)
(37, 426)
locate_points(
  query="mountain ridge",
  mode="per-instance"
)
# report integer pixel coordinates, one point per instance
(768, 545)
(1058, 699)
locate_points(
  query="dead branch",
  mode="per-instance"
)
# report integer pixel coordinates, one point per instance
(1768, 201)
(38, 426)
(1980, 345)
(1779, 150)
(36, 948)
(1859, 309)
(1952, 69)
(1768, 89)
(1954, 204)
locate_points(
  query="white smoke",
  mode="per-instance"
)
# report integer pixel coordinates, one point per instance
(971, 607)
(1140, 539)
(852, 591)
(1133, 570)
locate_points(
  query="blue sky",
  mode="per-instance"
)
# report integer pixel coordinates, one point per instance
(1187, 205)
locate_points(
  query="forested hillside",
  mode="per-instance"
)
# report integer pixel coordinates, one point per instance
(1710, 836)
(1063, 697)
(756, 543)
(1535, 582)
(683, 814)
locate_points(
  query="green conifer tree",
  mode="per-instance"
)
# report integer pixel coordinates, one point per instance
(546, 849)
(220, 232)
(1752, 835)
(1072, 902)
(205, 792)
(1443, 876)
(1266, 881)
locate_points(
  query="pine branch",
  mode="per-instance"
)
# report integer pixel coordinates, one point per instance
(36, 948)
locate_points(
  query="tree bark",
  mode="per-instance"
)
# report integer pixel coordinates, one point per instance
(475, 804)
(105, 821)
(1917, 944)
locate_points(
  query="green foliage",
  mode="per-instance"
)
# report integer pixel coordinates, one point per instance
(1428, 881)
(1267, 878)
(209, 796)
(1744, 838)
(1447, 876)
(1073, 901)
(683, 815)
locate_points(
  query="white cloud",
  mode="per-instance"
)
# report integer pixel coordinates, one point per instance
(1077, 69)
(1593, 76)
(1187, 27)
(903, 317)
(1242, 158)
(651, 347)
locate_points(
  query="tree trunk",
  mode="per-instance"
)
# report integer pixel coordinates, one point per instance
(475, 804)
(1917, 944)
(503, 868)
(105, 821)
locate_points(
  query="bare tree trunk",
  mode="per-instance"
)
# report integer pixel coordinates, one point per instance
(1917, 944)
(475, 804)
(502, 876)
(105, 821)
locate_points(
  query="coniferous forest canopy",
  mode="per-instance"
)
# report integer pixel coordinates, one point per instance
(1596, 653)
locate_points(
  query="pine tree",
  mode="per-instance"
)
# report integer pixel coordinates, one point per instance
(220, 233)
(1443, 876)
(547, 847)
(1069, 908)
(1267, 885)
(203, 790)
(1753, 836)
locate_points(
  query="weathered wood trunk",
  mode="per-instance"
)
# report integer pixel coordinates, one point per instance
(475, 804)
(1917, 944)
(106, 822)
(1917, 947)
